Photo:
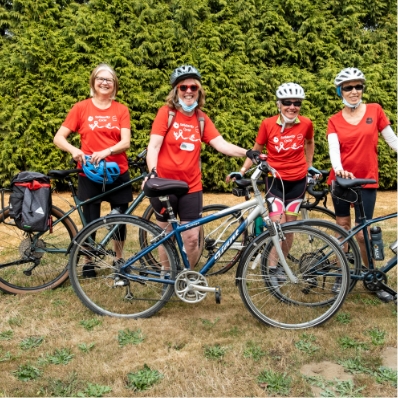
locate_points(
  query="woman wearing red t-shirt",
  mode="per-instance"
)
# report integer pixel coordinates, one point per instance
(104, 128)
(289, 141)
(353, 137)
(174, 151)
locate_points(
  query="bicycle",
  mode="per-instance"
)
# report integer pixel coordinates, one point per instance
(32, 262)
(138, 289)
(373, 278)
(215, 233)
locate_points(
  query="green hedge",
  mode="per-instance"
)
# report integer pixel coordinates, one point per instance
(243, 48)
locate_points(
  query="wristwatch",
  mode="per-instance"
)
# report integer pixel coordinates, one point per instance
(111, 151)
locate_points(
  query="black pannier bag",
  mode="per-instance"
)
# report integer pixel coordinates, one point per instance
(30, 201)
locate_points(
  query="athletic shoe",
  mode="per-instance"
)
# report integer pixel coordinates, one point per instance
(277, 276)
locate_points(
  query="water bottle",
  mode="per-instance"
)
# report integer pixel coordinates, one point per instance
(258, 225)
(114, 211)
(377, 243)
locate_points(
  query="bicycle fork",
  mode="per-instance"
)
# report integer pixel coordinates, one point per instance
(276, 233)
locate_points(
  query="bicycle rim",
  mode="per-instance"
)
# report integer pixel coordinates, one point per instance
(43, 263)
(315, 260)
(108, 290)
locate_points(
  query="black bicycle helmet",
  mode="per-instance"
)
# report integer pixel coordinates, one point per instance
(184, 72)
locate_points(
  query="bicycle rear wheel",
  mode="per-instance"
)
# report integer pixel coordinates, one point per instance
(32, 262)
(315, 260)
(101, 284)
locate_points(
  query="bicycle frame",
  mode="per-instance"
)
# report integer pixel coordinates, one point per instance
(258, 209)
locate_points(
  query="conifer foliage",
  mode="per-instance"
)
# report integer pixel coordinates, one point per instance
(244, 49)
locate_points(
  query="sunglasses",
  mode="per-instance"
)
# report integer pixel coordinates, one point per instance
(358, 87)
(185, 87)
(288, 103)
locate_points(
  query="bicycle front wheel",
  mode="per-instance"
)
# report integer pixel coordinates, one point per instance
(315, 260)
(36, 261)
(96, 260)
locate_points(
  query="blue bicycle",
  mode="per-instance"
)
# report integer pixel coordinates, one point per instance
(277, 275)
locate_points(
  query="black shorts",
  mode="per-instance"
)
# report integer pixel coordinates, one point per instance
(343, 208)
(293, 189)
(88, 189)
(187, 207)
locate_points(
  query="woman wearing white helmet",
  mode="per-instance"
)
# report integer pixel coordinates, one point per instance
(353, 136)
(289, 142)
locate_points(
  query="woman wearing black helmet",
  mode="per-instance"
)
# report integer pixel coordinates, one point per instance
(104, 128)
(353, 136)
(174, 149)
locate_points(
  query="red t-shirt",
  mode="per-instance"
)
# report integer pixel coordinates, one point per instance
(179, 156)
(286, 150)
(358, 144)
(99, 128)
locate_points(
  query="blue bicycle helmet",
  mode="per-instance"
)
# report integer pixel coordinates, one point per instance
(103, 172)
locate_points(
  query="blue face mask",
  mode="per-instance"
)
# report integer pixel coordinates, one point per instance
(187, 108)
(354, 106)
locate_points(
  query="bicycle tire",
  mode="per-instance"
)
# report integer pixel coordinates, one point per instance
(351, 249)
(317, 212)
(208, 231)
(51, 269)
(110, 292)
(306, 303)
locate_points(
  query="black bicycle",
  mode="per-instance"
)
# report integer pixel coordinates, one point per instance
(34, 261)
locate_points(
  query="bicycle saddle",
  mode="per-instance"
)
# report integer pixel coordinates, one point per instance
(355, 182)
(156, 186)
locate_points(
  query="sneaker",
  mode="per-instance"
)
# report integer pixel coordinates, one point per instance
(89, 271)
(277, 276)
(337, 285)
(384, 296)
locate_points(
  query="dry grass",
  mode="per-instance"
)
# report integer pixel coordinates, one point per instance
(175, 342)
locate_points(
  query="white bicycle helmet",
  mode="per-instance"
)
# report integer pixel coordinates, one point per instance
(347, 75)
(290, 90)
(184, 72)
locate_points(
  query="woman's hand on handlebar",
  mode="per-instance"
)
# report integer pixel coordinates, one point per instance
(235, 175)
(150, 175)
(314, 172)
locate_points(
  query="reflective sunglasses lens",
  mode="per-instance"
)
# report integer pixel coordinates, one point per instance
(288, 103)
(358, 87)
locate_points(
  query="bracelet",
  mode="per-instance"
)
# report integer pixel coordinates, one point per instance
(153, 169)
(111, 150)
(243, 170)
